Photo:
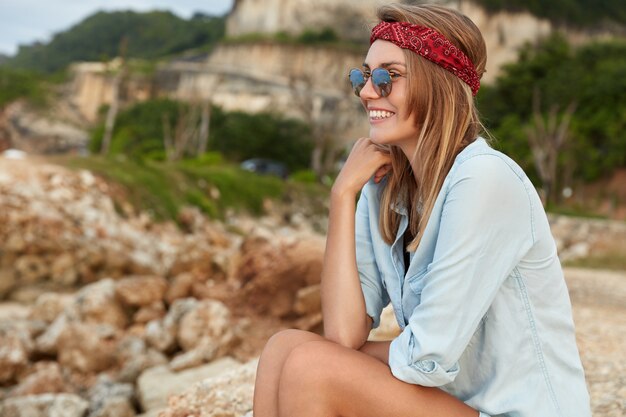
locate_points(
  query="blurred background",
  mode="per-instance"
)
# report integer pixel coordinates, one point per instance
(164, 177)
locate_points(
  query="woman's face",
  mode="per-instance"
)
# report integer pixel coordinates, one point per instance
(390, 123)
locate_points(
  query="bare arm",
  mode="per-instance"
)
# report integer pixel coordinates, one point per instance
(343, 305)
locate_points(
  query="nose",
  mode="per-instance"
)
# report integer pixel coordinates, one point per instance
(368, 92)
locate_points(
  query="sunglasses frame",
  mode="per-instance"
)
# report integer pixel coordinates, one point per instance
(382, 87)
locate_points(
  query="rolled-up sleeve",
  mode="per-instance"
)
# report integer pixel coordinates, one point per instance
(485, 229)
(376, 297)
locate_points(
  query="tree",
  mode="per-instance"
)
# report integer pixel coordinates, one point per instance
(328, 116)
(547, 139)
(109, 124)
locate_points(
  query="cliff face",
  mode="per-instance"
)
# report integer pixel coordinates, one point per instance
(309, 83)
(504, 32)
(348, 18)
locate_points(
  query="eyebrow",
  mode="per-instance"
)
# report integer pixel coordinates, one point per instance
(386, 64)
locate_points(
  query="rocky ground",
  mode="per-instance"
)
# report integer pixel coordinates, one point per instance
(599, 301)
(107, 314)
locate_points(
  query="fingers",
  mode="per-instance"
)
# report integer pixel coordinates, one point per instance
(381, 172)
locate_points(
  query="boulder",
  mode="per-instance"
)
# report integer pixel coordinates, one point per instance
(63, 270)
(161, 334)
(30, 269)
(271, 269)
(49, 306)
(150, 312)
(134, 356)
(45, 377)
(308, 300)
(227, 395)
(141, 290)
(111, 399)
(15, 348)
(44, 405)
(388, 328)
(209, 319)
(156, 385)
(97, 304)
(86, 347)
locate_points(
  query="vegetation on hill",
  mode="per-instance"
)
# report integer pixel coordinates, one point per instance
(162, 189)
(570, 12)
(210, 184)
(139, 133)
(324, 37)
(148, 35)
(591, 79)
(21, 84)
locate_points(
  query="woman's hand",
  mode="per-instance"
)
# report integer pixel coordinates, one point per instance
(366, 159)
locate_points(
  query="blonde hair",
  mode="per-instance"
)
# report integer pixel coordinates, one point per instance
(445, 115)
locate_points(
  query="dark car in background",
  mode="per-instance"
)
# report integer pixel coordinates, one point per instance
(265, 166)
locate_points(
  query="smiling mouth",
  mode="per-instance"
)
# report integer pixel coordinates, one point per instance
(380, 114)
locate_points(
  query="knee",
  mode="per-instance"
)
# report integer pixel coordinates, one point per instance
(281, 343)
(309, 363)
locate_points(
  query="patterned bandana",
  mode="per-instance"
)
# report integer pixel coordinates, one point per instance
(430, 44)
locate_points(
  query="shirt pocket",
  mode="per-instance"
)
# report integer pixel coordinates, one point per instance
(412, 293)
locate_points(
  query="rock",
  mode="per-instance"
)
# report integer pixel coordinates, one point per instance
(308, 300)
(7, 280)
(134, 356)
(194, 357)
(155, 385)
(209, 319)
(227, 395)
(98, 304)
(161, 334)
(46, 377)
(10, 311)
(388, 328)
(180, 287)
(63, 270)
(15, 348)
(44, 405)
(312, 323)
(272, 269)
(49, 306)
(150, 312)
(110, 399)
(30, 269)
(141, 290)
(47, 343)
(87, 347)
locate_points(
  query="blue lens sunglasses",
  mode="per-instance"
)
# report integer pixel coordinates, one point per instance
(381, 80)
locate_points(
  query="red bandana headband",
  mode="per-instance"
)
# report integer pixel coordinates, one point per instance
(430, 44)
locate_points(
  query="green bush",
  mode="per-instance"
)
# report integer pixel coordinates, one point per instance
(306, 176)
(311, 36)
(16, 84)
(162, 189)
(593, 77)
(236, 136)
(572, 12)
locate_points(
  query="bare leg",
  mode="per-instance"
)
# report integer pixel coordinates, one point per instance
(271, 362)
(278, 347)
(324, 379)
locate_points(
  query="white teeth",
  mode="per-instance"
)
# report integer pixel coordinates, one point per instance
(380, 114)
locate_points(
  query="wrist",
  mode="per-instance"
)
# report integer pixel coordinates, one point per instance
(340, 192)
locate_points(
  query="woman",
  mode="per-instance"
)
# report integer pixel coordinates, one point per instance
(448, 230)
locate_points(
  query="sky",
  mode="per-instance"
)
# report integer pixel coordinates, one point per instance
(28, 21)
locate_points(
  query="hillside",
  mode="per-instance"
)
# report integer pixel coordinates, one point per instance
(579, 13)
(101, 36)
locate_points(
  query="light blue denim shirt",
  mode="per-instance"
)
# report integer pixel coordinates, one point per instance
(484, 309)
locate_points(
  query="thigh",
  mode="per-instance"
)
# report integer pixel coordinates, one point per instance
(358, 385)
